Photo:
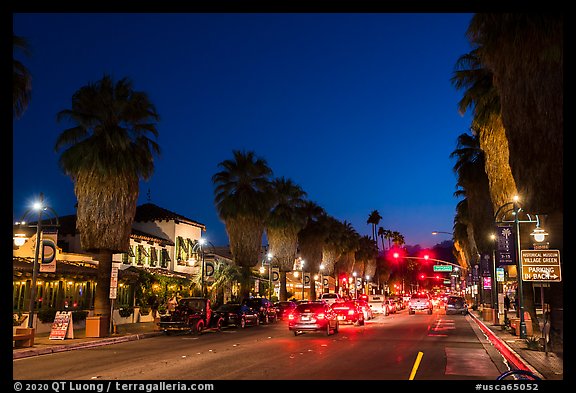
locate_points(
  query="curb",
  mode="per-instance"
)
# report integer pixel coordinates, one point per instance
(509, 354)
(82, 345)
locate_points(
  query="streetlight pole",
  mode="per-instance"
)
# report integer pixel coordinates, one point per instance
(321, 278)
(302, 268)
(495, 305)
(499, 218)
(39, 206)
(269, 256)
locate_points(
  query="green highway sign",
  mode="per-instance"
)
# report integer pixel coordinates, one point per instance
(442, 268)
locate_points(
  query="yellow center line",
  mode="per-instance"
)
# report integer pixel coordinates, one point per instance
(416, 364)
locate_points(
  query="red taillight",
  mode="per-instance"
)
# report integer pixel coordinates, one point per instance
(291, 316)
(320, 316)
(350, 312)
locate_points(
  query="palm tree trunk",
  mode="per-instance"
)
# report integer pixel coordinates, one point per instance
(102, 301)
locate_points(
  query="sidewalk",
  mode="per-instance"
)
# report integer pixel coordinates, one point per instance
(548, 366)
(127, 332)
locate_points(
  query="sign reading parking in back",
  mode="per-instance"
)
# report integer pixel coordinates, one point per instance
(541, 265)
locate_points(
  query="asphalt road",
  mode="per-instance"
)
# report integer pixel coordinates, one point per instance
(394, 347)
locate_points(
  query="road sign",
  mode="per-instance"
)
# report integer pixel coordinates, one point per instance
(541, 265)
(442, 268)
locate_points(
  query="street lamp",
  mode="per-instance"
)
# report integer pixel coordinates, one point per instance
(200, 243)
(355, 286)
(495, 305)
(503, 216)
(269, 257)
(302, 268)
(321, 278)
(19, 239)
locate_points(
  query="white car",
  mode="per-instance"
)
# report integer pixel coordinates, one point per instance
(331, 298)
(378, 304)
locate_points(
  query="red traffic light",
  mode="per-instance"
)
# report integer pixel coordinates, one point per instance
(422, 277)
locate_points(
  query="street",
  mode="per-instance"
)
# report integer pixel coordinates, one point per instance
(394, 347)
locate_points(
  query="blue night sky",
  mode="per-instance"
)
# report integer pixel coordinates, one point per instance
(356, 108)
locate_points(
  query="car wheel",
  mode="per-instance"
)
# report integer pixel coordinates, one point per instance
(328, 329)
(411, 312)
(266, 320)
(199, 327)
(242, 323)
(295, 332)
(219, 325)
(429, 311)
(337, 328)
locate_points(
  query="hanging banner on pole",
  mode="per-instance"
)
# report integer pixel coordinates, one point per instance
(506, 246)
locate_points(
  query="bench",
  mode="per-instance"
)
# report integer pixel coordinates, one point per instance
(23, 337)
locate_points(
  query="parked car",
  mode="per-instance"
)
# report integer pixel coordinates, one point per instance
(284, 308)
(420, 302)
(192, 314)
(265, 308)
(378, 304)
(349, 312)
(331, 297)
(456, 305)
(237, 315)
(365, 308)
(313, 317)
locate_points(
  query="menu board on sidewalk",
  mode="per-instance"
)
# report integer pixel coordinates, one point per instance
(62, 327)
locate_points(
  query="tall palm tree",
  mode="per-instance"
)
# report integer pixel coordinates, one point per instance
(311, 240)
(482, 97)
(243, 198)
(282, 227)
(350, 244)
(524, 52)
(106, 152)
(473, 180)
(374, 219)
(21, 78)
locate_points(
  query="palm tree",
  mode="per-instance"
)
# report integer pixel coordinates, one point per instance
(472, 179)
(482, 97)
(21, 78)
(311, 239)
(243, 198)
(284, 223)
(374, 219)
(524, 52)
(106, 153)
(350, 244)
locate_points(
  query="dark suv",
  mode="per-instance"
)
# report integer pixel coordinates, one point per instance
(265, 308)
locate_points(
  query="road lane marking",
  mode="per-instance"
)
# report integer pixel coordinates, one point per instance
(416, 364)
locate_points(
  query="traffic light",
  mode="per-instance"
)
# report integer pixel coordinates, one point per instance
(396, 254)
(422, 276)
(426, 255)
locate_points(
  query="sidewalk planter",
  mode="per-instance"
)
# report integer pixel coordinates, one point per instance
(97, 326)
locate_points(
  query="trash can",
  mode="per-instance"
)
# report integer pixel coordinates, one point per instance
(97, 326)
(487, 314)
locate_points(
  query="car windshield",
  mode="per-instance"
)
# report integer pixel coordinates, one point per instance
(310, 307)
(228, 307)
(420, 296)
(329, 296)
(194, 304)
(456, 300)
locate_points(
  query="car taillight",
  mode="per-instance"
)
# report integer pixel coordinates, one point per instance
(320, 316)
(350, 312)
(291, 316)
